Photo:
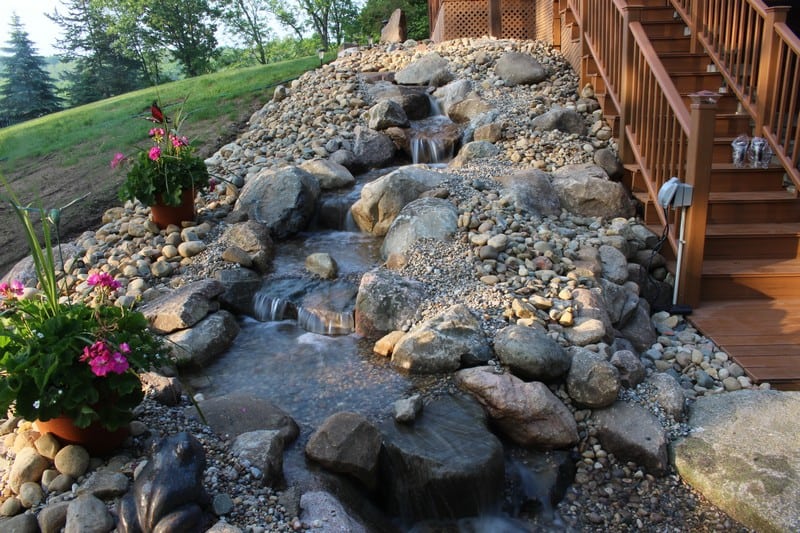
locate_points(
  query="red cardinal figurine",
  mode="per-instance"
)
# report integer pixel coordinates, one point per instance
(157, 114)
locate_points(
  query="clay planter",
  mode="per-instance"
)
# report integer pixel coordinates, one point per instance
(96, 439)
(164, 215)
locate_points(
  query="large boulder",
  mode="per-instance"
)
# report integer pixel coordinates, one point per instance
(240, 285)
(385, 301)
(395, 30)
(383, 199)
(284, 200)
(263, 449)
(742, 456)
(386, 114)
(515, 68)
(532, 191)
(592, 381)
(446, 465)
(199, 345)
(586, 190)
(638, 329)
(331, 175)
(372, 149)
(527, 413)
(632, 433)
(443, 344)
(235, 414)
(565, 120)
(468, 109)
(254, 239)
(452, 93)
(415, 102)
(474, 150)
(592, 322)
(347, 443)
(183, 308)
(429, 68)
(425, 218)
(531, 353)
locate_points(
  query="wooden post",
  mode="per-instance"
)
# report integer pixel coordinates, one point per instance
(698, 175)
(556, 25)
(581, 18)
(495, 22)
(629, 14)
(768, 64)
(696, 25)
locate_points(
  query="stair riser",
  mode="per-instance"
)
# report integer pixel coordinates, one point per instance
(677, 44)
(670, 28)
(749, 287)
(732, 125)
(746, 180)
(689, 83)
(660, 14)
(727, 104)
(752, 247)
(688, 63)
(753, 213)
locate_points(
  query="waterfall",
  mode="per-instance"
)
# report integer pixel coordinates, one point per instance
(433, 139)
(270, 309)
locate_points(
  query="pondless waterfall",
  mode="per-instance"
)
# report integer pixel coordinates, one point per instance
(433, 140)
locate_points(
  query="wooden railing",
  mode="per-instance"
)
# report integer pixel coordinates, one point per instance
(759, 57)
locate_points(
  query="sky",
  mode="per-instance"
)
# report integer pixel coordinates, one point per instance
(40, 29)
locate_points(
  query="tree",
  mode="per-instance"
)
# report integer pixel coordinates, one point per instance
(185, 27)
(248, 19)
(104, 67)
(29, 92)
(325, 17)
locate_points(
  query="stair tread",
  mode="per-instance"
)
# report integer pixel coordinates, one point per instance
(751, 267)
(751, 196)
(755, 229)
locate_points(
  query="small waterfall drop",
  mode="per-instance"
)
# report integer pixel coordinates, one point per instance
(433, 140)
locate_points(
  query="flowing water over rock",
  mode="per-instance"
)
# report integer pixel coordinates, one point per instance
(434, 139)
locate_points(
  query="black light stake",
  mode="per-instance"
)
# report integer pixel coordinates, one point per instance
(320, 55)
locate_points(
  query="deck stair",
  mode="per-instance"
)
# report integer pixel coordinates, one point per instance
(750, 284)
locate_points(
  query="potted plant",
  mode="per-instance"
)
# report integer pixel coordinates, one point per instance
(166, 174)
(73, 362)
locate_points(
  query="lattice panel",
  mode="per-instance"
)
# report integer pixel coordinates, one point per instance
(465, 18)
(544, 21)
(570, 48)
(517, 19)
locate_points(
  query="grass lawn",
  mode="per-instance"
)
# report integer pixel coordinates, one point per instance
(60, 157)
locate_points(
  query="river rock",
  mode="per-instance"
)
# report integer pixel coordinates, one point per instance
(429, 67)
(527, 413)
(323, 507)
(606, 159)
(516, 68)
(639, 329)
(105, 485)
(347, 443)
(385, 301)
(88, 514)
(474, 150)
(592, 381)
(620, 301)
(424, 218)
(531, 190)
(263, 449)
(467, 109)
(406, 410)
(632, 433)
(382, 199)
(168, 493)
(386, 114)
(201, 344)
(742, 456)
(443, 344)
(329, 174)
(322, 264)
(184, 307)
(52, 518)
(28, 466)
(372, 149)
(446, 465)
(531, 353)
(586, 190)
(668, 393)
(630, 368)
(564, 120)
(284, 200)
(614, 263)
(452, 93)
(234, 414)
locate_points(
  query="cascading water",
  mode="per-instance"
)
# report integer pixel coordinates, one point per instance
(433, 140)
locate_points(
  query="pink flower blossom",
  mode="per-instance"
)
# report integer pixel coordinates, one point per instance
(155, 153)
(156, 132)
(12, 290)
(102, 361)
(103, 280)
(118, 158)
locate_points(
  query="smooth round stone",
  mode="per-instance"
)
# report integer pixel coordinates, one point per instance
(191, 248)
(490, 280)
(731, 384)
(487, 252)
(736, 370)
(30, 494)
(498, 242)
(169, 251)
(723, 373)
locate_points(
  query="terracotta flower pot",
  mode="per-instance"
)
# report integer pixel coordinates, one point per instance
(96, 439)
(164, 215)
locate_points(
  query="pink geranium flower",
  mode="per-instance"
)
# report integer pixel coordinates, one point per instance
(118, 158)
(155, 153)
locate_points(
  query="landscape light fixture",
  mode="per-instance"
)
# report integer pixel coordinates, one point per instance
(370, 41)
(320, 55)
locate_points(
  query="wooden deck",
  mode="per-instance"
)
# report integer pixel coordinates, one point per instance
(762, 336)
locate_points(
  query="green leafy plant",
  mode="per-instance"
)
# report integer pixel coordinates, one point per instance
(162, 172)
(77, 360)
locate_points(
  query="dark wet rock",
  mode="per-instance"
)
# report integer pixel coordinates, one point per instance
(253, 239)
(742, 456)
(372, 149)
(639, 329)
(385, 301)
(263, 449)
(168, 493)
(209, 338)
(446, 465)
(531, 353)
(240, 284)
(184, 307)
(630, 368)
(564, 120)
(632, 433)
(413, 100)
(347, 443)
(235, 414)
(527, 413)
(323, 507)
(443, 344)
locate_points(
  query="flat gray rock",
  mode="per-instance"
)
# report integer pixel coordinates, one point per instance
(743, 456)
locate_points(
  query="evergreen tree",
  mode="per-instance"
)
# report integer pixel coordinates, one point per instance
(29, 92)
